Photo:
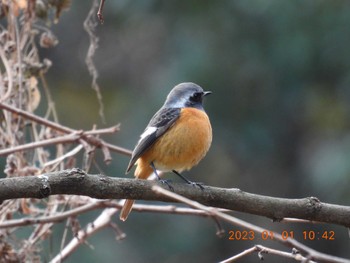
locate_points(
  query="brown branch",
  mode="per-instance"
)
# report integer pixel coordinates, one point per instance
(97, 204)
(99, 143)
(109, 130)
(262, 249)
(102, 221)
(62, 157)
(9, 75)
(37, 119)
(90, 25)
(76, 182)
(240, 255)
(292, 243)
(100, 11)
(58, 140)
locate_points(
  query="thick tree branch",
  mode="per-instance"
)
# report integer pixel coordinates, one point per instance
(76, 182)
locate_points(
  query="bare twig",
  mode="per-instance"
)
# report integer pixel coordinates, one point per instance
(298, 220)
(64, 156)
(58, 140)
(100, 11)
(262, 249)
(109, 130)
(289, 242)
(58, 127)
(97, 204)
(37, 119)
(100, 222)
(240, 255)
(9, 75)
(89, 25)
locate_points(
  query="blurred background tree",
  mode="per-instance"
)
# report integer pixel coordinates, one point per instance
(280, 76)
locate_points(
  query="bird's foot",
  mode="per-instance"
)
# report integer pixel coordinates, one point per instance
(198, 184)
(167, 183)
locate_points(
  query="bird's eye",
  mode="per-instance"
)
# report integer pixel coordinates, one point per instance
(196, 97)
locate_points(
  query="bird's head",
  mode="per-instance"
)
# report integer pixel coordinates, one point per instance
(186, 94)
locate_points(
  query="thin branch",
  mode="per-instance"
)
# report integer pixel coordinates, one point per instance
(63, 157)
(58, 140)
(297, 220)
(98, 204)
(18, 51)
(37, 119)
(58, 127)
(240, 255)
(109, 130)
(100, 222)
(32, 145)
(9, 75)
(289, 242)
(100, 12)
(90, 25)
(77, 182)
(262, 249)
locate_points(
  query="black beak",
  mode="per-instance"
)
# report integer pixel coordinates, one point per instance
(205, 93)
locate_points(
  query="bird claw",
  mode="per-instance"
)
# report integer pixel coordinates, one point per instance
(167, 182)
(199, 184)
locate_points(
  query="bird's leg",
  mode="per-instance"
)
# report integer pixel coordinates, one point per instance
(159, 179)
(200, 185)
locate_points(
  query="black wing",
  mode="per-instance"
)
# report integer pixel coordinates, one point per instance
(157, 126)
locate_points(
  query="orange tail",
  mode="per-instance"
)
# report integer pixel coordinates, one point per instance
(127, 207)
(143, 171)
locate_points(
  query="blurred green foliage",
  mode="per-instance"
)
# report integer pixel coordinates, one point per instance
(280, 76)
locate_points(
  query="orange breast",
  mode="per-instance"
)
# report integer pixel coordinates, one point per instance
(182, 146)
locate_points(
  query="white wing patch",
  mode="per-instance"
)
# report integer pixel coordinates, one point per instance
(147, 132)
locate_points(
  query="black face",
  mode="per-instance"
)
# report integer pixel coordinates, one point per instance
(195, 100)
(197, 97)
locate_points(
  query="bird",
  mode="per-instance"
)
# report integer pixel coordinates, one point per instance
(176, 138)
